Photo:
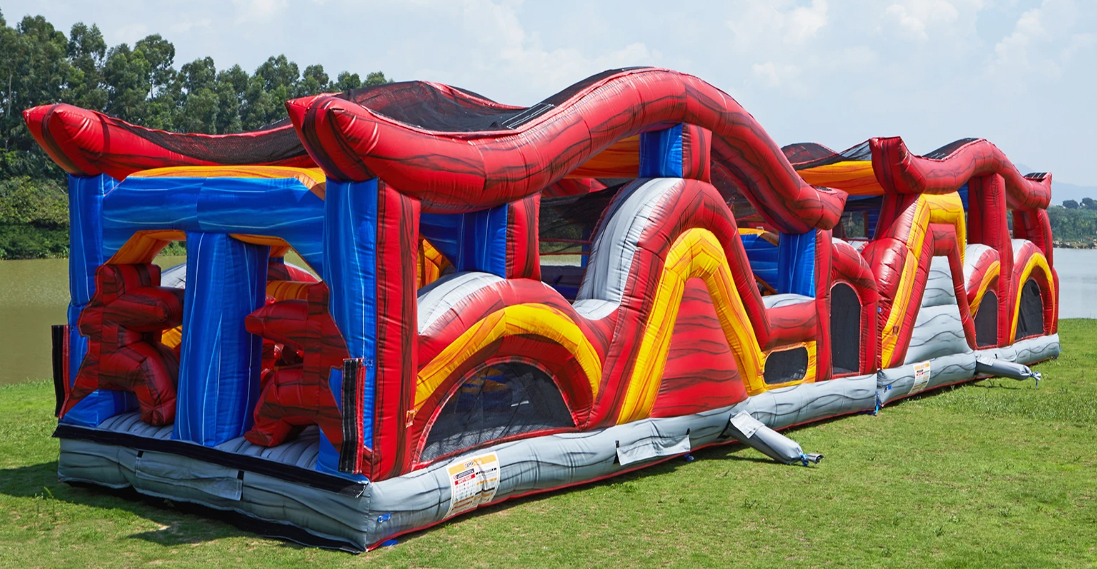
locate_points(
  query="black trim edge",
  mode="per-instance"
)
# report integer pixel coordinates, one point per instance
(352, 414)
(295, 474)
(60, 336)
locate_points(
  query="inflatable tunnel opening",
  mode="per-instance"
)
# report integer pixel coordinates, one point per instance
(786, 366)
(495, 402)
(986, 321)
(845, 329)
(1030, 320)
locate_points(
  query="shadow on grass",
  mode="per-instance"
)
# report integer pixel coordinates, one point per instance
(179, 523)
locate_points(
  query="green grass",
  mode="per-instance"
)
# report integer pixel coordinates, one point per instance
(991, 474)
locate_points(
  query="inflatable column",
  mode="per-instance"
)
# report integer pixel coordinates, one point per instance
(796, 263)
(220, 363)
(682, 151)
(1035, 226)
(522, 242)
(824, 366)
(85, 256)
(371, 233)
(987, 225)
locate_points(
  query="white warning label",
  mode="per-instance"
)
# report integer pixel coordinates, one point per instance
(921, 377)
(746, 424)
(472, 481)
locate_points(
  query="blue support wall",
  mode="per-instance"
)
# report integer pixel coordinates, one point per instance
(796, 263)
(220, 362)
(661, 153)
(86, 254)
(763, 258)
(350, 261)
(474, 241)
(280, 207)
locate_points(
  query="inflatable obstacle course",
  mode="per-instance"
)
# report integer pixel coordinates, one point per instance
(511, 299)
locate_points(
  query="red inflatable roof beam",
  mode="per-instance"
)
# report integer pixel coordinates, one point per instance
(950, 167)
(88, 143)
(487, 156)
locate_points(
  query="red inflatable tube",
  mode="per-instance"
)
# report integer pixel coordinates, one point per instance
(88, 143)
(948, 168)
(468, 171)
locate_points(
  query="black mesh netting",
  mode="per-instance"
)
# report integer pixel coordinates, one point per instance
(495, 402)
(786, 366)
(1031, 320)
(571, 218)
(272, 143)
(986, 321)
(845, 329)
(413, 102)
(946, 150)
(419, 104)
(564, 224)
(804, 155)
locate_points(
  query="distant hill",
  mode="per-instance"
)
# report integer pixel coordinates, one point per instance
(1062, 191)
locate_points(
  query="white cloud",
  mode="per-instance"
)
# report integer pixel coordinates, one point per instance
(187, 24)
(756, 22)
(773, 74)
(834, 72)
(1042, 41)
(259, 10)
(913, 16)
(804, 22)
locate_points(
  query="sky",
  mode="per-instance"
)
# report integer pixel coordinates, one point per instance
(1020, 73)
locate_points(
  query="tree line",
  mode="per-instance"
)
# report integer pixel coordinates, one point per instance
(140, 84)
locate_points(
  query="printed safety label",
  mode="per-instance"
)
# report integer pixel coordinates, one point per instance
(472, 481)
(921, 377)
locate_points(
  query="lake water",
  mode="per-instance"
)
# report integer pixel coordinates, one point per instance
(34, 295)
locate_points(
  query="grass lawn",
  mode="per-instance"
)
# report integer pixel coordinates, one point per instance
(991, 474)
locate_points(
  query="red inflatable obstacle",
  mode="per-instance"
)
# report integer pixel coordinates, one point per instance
(124, 322)
(506, 300)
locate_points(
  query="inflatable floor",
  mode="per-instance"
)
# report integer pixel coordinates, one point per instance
(504, 300)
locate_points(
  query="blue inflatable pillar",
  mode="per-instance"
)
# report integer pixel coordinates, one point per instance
(796, 263)
(85, 256)
(661, 153)
(474, 241)
(220, 362)
(350, 259)
(371, 232)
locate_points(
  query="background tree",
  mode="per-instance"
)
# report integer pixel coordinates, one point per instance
(139, 84)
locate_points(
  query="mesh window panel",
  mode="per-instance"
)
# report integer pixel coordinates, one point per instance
(785, 366)
(986, 321)
(496, 402)
(1031, 320)
(571, 218)
(845, 329)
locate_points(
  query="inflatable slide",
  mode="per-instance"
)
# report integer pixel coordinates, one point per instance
(506, 300)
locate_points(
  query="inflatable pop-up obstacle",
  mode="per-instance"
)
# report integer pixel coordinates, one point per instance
(511, 299)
